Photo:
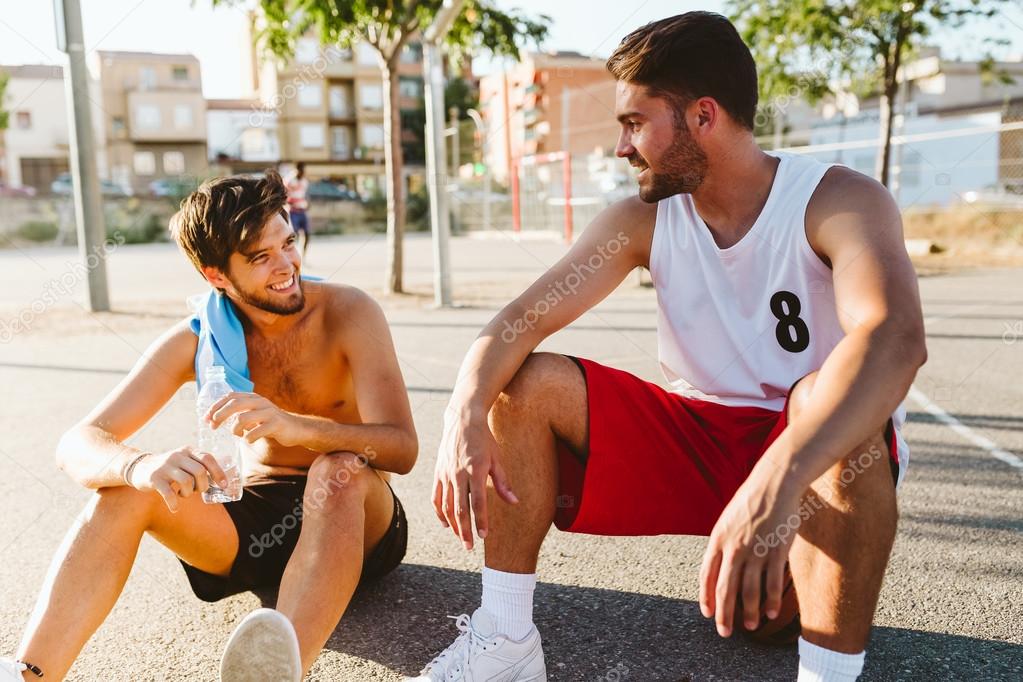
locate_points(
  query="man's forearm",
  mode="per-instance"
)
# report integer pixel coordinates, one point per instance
(860, 385)
(94, 458)
(385, 447)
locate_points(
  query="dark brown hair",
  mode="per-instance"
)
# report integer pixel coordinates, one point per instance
(226, 215)
(688, 56)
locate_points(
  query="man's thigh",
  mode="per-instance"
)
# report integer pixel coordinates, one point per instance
(202, 535)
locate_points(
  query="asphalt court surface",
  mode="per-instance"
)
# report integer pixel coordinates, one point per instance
(608, 608)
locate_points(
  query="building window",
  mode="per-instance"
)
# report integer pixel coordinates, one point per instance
(372, 136)
(173, 163)
(147, 78)
(410, 86)
(117, 126)
(254, 143)
(340, 102)
(306, 50)
(371, 96)
(182, 116)
(412, 53)
(310, 95)
(148, 116)
(144, 163)
(179, 73)
(340, 143)
(310, 136)
(23, 120)
(367, 55)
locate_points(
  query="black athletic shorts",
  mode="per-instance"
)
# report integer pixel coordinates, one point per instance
(268, 519)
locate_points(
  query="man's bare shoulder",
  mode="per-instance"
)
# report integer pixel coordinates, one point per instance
(632, 212)
(344, 305)
(630, 216)
(850, 205)
(844, 192)
(172, 353)
(179, 338)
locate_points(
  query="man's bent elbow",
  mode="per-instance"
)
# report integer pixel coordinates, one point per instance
(409, 454)
(67, 451)
(63, 451)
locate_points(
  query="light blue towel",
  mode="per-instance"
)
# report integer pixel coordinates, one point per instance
(221, 338)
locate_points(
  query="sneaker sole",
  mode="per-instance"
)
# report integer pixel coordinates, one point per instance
(263, 648)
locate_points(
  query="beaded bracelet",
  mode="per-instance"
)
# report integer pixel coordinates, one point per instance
(34, 669)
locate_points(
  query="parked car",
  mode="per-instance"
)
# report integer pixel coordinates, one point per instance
(9, 191)
(173, 187)
(325, 190)
(62, 186)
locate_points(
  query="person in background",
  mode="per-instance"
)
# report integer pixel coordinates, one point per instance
(298, 203)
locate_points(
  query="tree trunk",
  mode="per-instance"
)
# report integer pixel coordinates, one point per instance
(887, 112)
(892, 63)
(394, 184)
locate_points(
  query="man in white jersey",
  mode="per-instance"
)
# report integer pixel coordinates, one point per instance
(789, 329)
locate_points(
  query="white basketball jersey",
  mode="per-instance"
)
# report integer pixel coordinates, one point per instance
(739, 326)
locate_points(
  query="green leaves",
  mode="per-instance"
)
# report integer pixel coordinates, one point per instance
(811, 48)
(4, 114)
(388, 24)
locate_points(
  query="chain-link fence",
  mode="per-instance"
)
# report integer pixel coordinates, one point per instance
(958, 179)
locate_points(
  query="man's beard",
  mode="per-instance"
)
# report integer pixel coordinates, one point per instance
(683, 168)
(264, 301)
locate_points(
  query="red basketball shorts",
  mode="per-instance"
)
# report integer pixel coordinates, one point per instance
(660, 463)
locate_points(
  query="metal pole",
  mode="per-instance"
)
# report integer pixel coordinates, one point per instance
(84, 175)
(436, 165)
(516, 206)
(566, 102)
(566, 166)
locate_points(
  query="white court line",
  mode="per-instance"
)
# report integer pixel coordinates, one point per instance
(966, 432)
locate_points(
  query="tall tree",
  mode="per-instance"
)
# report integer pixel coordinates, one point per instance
(809, 48)
(388, 26)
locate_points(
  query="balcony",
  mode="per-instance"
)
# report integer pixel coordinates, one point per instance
(343, 115)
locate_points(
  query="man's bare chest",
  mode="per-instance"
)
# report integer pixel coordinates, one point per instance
(305, 376)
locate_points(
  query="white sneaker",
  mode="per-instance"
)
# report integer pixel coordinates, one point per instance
(478, 654)
(263, 648)
(10, 670)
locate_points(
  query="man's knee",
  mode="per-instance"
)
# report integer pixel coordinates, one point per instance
(337, 479)
(125, 500)
(799, 396)
(540, 379)
(858, 482)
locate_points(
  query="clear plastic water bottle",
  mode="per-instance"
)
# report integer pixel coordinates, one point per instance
(220, 443)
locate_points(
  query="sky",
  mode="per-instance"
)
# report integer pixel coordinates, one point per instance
(592, 27)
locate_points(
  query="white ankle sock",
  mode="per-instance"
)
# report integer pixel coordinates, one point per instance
(508, 598)
(817, 664)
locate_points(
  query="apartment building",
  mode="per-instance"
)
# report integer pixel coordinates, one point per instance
(34, 148)
(154, 116)
(241, 135)
(559, 101)
(329, 107)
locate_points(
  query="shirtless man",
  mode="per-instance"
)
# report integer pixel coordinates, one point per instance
(327, 419)
(789, 330)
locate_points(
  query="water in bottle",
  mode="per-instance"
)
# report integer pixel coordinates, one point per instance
(220, 442)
